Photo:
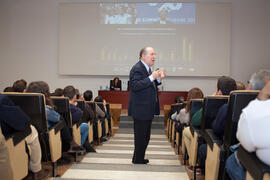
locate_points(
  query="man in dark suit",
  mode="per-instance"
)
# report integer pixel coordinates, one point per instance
(143, 102)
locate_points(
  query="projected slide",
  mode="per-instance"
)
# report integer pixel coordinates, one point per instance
(190, 39)
(147, 13)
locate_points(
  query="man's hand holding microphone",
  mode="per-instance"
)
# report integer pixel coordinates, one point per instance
(159, 74)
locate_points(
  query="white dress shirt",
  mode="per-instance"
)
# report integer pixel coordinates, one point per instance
(182, 116)
(254, 129)
(150, 76)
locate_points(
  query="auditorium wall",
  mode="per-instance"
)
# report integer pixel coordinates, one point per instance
(29, 45)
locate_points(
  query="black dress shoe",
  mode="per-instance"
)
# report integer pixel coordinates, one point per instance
(146, 161)
(139, 162)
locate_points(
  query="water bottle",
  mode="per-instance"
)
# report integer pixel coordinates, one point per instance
(100, 87)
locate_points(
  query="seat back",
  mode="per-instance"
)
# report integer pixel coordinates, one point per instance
(93, 107)
(177, 107)
(238, 100)
(81, 104)
(108, 108)
(92, 127)
(211, 105)
(62, 107)
(33, 104)
(101, 126)
(100, 105)
(195, 105)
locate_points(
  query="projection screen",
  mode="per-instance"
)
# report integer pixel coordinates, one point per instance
(190, 39)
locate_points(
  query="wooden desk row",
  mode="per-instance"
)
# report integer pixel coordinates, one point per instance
(122, 97)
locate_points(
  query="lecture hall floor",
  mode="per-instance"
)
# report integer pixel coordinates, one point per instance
(113, 158)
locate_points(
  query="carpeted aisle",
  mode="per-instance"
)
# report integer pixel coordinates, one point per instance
(113, 160)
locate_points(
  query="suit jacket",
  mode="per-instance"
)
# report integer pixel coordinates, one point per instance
(143, 101)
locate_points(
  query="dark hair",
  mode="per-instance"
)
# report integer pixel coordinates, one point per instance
(9, 89)
(179, 99)
(98, 99)
(69, 92)
(78, 94)
(88, 95)
(226, 84)
(58, 92)
(19, 85)
(41, 87)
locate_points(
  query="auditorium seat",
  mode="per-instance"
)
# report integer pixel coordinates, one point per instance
(216, 151)
(175, 135)
(195, 105)
(171, 123)
(63, 108)
(33, 104)
(97, 127)
(110, 119)
(179, 129)
(81, 105)
(105, 119)
(17, 153)
(211, 105)
(256, 169)
(90, 124)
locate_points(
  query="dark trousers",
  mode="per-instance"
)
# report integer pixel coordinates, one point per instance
(142, 132)
(202, 153)
(66, 138)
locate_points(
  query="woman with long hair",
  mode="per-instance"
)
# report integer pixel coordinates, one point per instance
(183, 116)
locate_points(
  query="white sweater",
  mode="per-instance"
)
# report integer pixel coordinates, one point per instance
(254, 129)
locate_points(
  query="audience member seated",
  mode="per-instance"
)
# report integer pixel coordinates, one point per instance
(253, 126)
(13, 119)
(19, 85)
(9, 89)
(53, 117)
(240, 85)
(115, 84)
(76, 112)
(57, 92)
(183, 116)
(225, 85)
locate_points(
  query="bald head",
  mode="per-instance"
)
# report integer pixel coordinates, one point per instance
(148, 55)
